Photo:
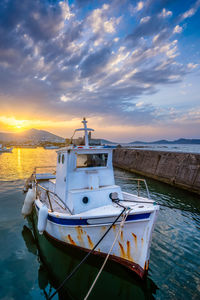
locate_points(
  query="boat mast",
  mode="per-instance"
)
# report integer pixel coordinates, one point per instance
(86, 129)
(86, 132)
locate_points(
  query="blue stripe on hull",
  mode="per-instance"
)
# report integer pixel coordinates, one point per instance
(138, 217)
(67, 221)
(84, 221)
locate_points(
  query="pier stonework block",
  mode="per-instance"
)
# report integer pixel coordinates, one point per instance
(178, 169)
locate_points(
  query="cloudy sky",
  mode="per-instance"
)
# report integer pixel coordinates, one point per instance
(132, 68)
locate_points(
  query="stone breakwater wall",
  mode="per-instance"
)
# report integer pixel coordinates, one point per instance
(178, 169)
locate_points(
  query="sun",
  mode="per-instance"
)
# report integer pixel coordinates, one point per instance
(18, 125)
(18, 128)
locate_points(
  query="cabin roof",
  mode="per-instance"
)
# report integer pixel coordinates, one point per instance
(90, 148)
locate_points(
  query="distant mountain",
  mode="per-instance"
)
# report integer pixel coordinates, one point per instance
(179, 141)
(108, 142)
(33, 135)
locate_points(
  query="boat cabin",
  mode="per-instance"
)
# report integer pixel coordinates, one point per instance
(84, 176)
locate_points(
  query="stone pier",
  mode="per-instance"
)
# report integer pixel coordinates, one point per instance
(178, 169)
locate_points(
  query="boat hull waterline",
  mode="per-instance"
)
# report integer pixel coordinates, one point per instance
(80, 205)
(132, 248)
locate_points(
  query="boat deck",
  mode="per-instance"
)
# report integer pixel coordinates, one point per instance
(140, 206)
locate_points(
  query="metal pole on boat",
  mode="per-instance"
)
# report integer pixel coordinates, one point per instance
(138, 188)
(49, 200)
(86, 132)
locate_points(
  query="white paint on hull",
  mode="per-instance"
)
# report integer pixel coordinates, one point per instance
(133, 244)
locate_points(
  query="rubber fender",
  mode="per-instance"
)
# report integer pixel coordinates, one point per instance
(42, 218)
(28, 202)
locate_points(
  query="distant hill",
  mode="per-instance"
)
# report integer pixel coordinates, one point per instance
(33, 135)
(179, 141)
(108, 142)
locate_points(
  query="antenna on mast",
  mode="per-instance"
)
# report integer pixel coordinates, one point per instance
(86, 129)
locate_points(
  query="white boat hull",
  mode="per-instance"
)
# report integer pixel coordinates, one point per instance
(132, 248)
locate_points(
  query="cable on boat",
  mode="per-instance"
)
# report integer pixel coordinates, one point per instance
(107, 256)
(88, 254)
(151, 202)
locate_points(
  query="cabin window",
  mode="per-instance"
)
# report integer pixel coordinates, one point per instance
(91, 160)
(59, 158)
(63, 159)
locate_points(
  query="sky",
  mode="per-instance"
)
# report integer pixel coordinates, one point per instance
(132, 68)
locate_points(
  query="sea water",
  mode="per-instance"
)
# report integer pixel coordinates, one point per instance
(27, 273)
(183, 148)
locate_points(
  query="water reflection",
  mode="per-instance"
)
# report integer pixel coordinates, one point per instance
(160, 192)
(174, 259)
(55, 263)
(20, 163)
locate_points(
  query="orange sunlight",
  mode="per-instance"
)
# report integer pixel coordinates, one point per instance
(12, 124)
(116, 133)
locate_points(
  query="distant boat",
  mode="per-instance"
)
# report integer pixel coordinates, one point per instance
(27, 146)
(5, 149)
(51, 147)
(80, 205)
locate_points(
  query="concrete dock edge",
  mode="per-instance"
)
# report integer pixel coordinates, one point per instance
(178, 169)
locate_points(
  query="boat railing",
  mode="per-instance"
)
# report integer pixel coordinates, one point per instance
(53, 168)
(49, 199)
(138, 184)
(48, 192)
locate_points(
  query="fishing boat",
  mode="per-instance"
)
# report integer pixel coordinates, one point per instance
(81, 205)
(5, 149)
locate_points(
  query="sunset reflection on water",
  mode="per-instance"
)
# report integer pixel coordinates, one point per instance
(20, 163)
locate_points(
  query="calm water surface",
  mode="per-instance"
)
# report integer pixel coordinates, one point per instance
(184, 148)
(27, 273)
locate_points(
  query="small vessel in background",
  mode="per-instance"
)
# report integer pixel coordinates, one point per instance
(5, 149)
(49, 147)
(80, 205)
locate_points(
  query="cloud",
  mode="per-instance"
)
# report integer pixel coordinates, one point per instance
(145, 19)
(165, 13)
(147, 28)
(95, 62)
(139, 6)
(192, 66)
(136, 8)
(177, 29)
(100, 21)
(59, 60)
(189, 13)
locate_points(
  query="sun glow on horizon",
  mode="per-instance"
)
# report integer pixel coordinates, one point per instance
(14, 125)
(103, 128)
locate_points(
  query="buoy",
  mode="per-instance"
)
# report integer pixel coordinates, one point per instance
(42, 219)
(25, 190)
(28, 184)
(28, 202)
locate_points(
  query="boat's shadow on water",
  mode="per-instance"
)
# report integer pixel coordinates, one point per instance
(55, 263)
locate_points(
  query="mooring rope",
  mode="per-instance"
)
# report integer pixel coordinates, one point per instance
(88, 254)
(107, 256)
